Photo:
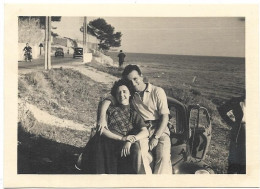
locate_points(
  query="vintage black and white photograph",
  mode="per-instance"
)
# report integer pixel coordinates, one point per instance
(131, 95)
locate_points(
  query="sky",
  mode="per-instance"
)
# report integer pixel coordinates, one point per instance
(173, 35)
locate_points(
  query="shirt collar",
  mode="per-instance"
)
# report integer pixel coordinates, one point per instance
(148, 88)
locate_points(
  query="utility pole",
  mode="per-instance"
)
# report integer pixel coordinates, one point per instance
(47, 57)
(85, 39)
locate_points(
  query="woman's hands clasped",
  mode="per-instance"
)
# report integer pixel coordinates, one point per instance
(126, 149)
(130, 139)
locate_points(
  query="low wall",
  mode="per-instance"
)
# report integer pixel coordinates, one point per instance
(103, 59)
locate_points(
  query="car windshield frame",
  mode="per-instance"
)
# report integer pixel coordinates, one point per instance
(78, 49)
(59, 49)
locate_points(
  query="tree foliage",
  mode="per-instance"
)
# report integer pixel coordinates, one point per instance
(30, 28)
(41, 19)
(105, 33)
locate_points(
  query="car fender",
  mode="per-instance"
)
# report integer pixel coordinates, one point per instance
(191, 166)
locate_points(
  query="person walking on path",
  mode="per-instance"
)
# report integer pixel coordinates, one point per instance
(121, 58)
(237, 148)
(151, 103)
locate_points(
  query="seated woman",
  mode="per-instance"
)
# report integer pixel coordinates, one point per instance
(118, 149)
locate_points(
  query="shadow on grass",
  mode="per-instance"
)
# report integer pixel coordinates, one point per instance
(37, 155)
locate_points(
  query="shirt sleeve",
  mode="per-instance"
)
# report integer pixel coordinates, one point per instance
(162, 103)
(112, 99)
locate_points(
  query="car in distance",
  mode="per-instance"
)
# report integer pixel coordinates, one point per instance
(78, 52)
(59, 52)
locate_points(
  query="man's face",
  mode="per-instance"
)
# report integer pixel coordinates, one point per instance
(137, 81)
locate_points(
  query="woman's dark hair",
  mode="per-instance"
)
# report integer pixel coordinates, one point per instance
(120, 83)
(129, 68)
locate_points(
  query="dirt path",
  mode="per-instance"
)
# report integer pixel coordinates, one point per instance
(94, 74)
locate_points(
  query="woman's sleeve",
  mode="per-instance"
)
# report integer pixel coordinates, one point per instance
(111, 99)
(139, 121)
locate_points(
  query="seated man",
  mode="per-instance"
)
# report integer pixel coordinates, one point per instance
(151, 103)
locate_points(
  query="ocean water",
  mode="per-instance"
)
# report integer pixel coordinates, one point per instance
(214, 77)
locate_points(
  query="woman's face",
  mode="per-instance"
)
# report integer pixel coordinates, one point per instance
(123, 95)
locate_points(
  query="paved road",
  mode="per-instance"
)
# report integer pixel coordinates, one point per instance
(39, 63)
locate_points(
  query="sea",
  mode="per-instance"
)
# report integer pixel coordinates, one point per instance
(216, 78)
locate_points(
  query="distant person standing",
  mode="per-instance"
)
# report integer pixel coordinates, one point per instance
(235, 108)
(121, 58)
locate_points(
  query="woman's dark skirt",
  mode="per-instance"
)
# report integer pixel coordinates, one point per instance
(103, 156)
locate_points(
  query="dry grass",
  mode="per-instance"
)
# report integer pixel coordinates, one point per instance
(64, 93)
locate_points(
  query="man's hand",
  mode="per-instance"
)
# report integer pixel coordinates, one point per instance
(126, 149)
(153, 143)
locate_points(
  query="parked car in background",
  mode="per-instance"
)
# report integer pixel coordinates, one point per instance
(59, 52)
(190, 129)
(78, 53)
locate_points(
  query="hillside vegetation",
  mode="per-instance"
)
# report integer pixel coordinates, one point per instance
(29, 31)
(72, 98)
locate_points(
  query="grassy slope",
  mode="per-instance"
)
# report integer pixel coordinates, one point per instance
(64, 93)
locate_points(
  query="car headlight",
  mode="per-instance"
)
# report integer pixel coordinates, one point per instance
(202, 171)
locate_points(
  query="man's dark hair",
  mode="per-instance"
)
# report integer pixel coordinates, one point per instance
(129, 68)
(119, 83)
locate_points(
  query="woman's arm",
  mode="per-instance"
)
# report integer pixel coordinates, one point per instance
(142, 134)
(133, 138)
(113, 136)
(102, 117)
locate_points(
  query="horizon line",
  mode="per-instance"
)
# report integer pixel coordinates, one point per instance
(180, 54)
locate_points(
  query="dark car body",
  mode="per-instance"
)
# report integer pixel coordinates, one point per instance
(78, 53)
(190, 129)
(59, 52)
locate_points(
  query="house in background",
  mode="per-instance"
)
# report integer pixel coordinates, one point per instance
(92, 43)
(30, 31)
